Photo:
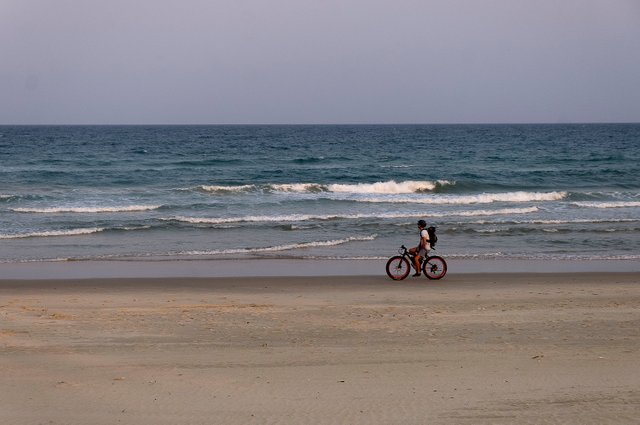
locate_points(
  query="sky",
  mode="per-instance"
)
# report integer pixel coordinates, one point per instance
(319, 61)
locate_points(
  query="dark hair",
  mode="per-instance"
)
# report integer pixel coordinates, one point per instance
(422, 223)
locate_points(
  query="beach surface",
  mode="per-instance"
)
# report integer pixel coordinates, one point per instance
(504, 348)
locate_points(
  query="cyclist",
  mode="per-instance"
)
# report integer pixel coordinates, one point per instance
(420, 251)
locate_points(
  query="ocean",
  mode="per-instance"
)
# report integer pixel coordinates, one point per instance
(563, 191)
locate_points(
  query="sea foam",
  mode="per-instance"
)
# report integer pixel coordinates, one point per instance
(70, 232)
(285, 247)
(226, 189)
(356, 216)
(273, 218)
(482, 198)
(501, 211)
(130, 208)
(386, 187)
(602, 205)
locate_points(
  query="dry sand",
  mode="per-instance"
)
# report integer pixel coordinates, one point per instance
(470, 349)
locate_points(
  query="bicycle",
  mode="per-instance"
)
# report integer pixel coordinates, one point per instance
(399, 266)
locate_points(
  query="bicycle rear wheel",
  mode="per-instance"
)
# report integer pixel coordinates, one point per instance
(398, 267)
(434, 267)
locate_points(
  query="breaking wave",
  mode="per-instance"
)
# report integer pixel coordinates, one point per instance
(387, 187)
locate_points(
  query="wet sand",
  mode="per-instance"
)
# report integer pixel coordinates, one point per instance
(471, 349)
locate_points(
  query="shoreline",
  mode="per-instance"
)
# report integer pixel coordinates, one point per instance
(289, 267)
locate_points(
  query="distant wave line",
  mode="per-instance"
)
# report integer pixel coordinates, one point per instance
(48, 233)
(483, 198)
(70, 232)
(568, 221)
(526, 230)
(542, 256)
(502, 211)
(130, 208)
(309, 217)
(603, 205)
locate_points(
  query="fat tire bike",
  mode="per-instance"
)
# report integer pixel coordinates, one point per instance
(399, 266)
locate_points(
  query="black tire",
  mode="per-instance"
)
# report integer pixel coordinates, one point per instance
(434, 267)
(398, 267)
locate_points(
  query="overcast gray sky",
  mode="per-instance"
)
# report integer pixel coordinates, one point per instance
(319, 61)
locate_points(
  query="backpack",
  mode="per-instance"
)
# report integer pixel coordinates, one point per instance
(432, 236)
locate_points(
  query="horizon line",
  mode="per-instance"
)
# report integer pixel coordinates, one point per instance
(314, 124)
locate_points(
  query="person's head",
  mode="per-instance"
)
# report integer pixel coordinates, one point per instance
(422, 224)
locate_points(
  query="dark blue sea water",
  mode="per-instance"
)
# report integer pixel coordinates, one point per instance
(208, 192)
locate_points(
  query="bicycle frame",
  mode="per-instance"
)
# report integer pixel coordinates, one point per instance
(405, 253)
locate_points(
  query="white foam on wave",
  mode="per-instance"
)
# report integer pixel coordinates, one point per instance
(129, 208)
(310, 217)
(502, 211)
(70, 232)
(268, 218)
(298, 187)
(492, 230)
(227, 189)
(387, 187)
(482, 198)
(287, 247)
(620, 204)
(568, 221)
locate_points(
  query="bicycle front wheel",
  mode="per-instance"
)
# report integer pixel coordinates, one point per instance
(435, 267)
(398, 267)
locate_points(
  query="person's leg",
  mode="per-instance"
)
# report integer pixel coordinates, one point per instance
(416, 260)
(416, 265)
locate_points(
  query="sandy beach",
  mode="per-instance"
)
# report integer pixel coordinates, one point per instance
(471, 349)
